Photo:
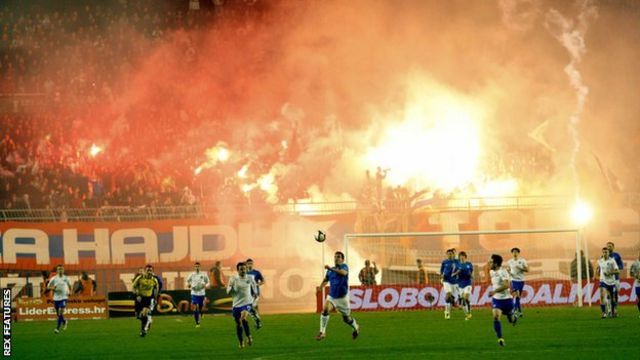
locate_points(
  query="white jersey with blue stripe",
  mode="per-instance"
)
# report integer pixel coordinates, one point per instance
(241, 290)
(635, 272)
(607, 267)
(516, 268)
(498, 277)
(198, 282)
(61, 287)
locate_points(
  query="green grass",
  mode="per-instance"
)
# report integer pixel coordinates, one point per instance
(543, 334)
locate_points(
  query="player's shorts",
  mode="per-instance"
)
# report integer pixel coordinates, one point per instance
(609, 288)
(341, 304)
(237, 311)
(60, 304)
(450, 288)
(145, 302)
(197, 300)
(505, 305)
(517, 285)
(465, 290)
(637, 290)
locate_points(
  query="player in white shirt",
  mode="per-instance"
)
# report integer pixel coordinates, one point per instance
(61, 288)
(517, 266)
(607, 270)
(242, 288)
(197, 281)
(502, 301)
(635, 274)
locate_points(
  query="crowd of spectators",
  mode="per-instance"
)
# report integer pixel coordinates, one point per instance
(66, 52)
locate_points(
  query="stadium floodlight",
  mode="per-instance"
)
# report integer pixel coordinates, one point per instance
(550, 250)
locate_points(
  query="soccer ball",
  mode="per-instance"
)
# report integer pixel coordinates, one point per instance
(320, 236)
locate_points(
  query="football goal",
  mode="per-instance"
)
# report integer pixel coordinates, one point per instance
(407, 265)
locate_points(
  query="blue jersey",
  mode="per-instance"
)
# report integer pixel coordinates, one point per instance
(159, 278)
(446, 270)
(338, 284)
(257, 276)
(619, 262)
(465, 274)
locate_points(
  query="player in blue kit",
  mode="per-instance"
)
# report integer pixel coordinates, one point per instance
(241, 287)
(464, 274)
(259, 279)
(449, 281)
(338, 299)
(502, 301)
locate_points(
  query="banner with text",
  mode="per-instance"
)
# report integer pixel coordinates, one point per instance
(413, 297)
(173, 302)
(39, 309)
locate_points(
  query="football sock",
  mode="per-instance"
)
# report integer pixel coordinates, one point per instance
(353, 323)
(517, 303)
(196, 315)
(324, 320)
(498, 328)
(638, 304)
(60, 320)
(603, 307)
(143, 322)
(254, 315)
(245, 325)
(239, 332)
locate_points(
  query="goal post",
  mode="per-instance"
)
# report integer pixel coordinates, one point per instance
(549, 251)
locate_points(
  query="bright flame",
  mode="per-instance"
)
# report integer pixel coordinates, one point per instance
(198, 170)
(223, 154)
(242, 173)
(581, 213)
(437, 143)
(94, 150)
(284, 144)
(247, 187)
(266, 182)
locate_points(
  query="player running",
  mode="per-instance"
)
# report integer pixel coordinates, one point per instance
(464, 274)
(502, 301)
(259, 279)
(145, 288)
(449, 281)
(197, 281)
(635, 274)
(619, 262)
(607, 269)
(242, 288)
(61, 287)
(338, 299)
(517, 266)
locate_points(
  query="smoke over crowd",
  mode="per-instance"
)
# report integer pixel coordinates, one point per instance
(289, 100)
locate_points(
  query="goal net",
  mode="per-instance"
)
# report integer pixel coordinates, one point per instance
(408, 267)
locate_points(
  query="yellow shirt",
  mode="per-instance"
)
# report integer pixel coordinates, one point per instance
(145, 286)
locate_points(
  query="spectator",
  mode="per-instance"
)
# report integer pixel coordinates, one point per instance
(216, 276)
(421, 276)
(367, 275)
(585, 264)
(85, 286)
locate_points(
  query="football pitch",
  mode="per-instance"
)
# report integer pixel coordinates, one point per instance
(543, 333)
